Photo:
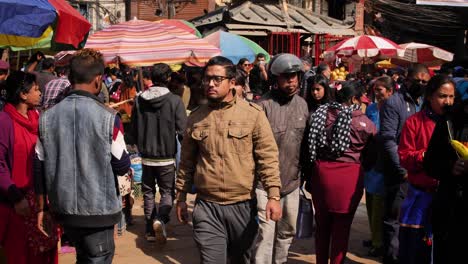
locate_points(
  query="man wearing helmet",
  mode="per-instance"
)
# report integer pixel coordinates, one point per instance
(287, 114)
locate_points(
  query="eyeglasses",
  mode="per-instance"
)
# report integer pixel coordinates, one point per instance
(217, 80)
(246, 64)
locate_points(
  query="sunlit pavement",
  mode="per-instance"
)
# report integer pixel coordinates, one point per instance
(132, 248)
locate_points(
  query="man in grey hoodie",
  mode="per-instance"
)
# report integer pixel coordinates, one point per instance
(158, 116)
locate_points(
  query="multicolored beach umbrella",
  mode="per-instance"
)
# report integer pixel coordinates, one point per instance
(235, 47)
(28, 24)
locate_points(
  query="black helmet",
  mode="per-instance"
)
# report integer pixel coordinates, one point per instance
(285, 63)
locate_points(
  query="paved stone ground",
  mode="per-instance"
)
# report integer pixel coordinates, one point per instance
(132, 248)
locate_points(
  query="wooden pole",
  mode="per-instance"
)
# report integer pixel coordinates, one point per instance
(18, 60)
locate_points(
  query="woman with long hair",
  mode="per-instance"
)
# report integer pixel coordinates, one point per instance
(415, 233)
(339, 134)
(374, 177)
(246, 66)
(320, 93)
(125, 92)
(443, 163)
(19, 233)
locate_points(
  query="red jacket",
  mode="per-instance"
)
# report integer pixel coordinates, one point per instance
(414, 141)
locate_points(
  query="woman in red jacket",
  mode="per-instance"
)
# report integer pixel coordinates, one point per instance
(19, 124)
(339, 134)
(415, 228)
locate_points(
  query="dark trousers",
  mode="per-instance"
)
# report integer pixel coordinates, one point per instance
(394, 196)
(93, 245)
(332, 236)
(375, 204)
(413, 249)
(164, 177)
(225, 232)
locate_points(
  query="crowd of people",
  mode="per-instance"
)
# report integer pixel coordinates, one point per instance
(246, 138)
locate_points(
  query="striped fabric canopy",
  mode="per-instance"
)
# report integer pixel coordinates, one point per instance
(143, 43)
(365, 46)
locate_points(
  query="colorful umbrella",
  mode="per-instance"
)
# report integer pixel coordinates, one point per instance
(235, 47)
(143, 43)
(423, 53)
(30, 24)
(183, 24)
(365, 47)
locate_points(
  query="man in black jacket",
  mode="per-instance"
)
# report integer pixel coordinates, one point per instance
(158, 116)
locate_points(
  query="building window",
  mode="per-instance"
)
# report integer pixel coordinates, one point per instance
(83, 9)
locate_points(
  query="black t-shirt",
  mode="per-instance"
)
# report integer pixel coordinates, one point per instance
(258, 86)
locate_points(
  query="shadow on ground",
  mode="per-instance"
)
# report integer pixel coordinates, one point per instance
(180, 247)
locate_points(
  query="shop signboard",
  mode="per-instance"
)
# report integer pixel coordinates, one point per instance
(462, 3)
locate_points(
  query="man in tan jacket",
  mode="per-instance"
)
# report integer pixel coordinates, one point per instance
(227, 146)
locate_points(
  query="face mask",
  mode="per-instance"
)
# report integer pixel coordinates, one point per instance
(416, 89)
(448, 109)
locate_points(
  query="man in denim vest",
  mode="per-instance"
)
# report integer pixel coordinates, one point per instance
(79, 152)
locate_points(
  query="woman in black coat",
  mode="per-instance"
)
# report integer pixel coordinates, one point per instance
(450, 207)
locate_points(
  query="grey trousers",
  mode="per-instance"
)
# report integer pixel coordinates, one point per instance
(275, 238)
(225, 232)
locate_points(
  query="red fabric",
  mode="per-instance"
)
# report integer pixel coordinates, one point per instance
(38, 242)
(25, 137)
(14, 238)
(414, 139)
(332, 228)
(71, 26)
(337, 186)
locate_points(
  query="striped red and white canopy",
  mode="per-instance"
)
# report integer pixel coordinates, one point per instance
(144, 43)
(425, 54)
(365, 46)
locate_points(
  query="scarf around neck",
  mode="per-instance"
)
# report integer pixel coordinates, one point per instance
(25, 137)
(340, 137)
(31, 123)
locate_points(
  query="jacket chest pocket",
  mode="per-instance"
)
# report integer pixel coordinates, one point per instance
(240, 139)
(299, 127)
(201, 136)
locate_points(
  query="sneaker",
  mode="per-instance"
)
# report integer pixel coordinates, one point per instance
(150, 237)
(160, 231)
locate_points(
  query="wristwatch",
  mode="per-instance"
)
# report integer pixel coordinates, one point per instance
(276, 198)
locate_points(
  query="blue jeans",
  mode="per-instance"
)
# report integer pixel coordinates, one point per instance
(93, 245)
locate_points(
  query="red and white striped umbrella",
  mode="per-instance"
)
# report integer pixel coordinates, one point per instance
(365, 47)
(425, 54)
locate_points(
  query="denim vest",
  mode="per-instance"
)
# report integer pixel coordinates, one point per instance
(77, 135)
